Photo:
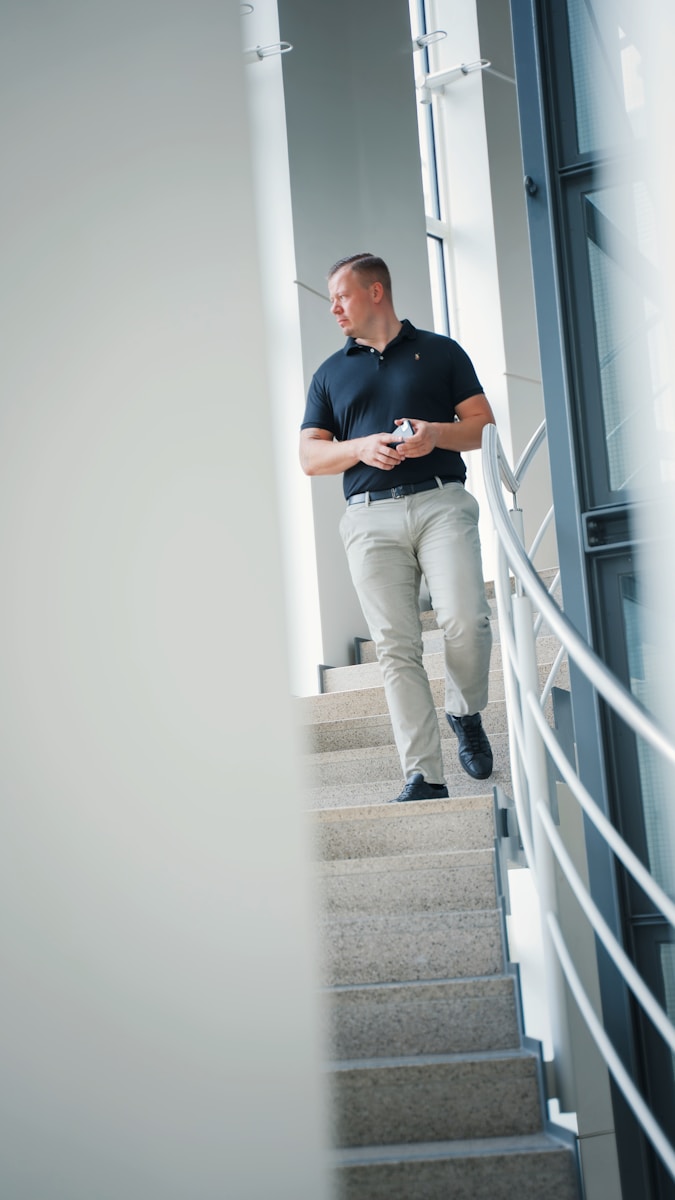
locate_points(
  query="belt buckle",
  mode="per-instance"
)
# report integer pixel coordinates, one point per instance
(397, 492)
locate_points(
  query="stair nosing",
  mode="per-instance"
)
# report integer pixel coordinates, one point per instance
(516, 1053)
(504, 977)
(392, 812)
(540, 1142)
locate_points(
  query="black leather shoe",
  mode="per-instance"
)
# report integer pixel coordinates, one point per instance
(417, 788)
(475, 753)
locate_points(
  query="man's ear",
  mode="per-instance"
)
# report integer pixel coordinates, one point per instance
(377, 291)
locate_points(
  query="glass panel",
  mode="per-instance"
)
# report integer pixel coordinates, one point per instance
(606, 68)
(668, 968)
(656, 777)
(439, 291)
(636, 398)
(425, 122)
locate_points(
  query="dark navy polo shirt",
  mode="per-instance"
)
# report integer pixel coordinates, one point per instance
(358, 391)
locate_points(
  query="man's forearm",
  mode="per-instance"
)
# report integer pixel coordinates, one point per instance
(460, 435)
(318, 456)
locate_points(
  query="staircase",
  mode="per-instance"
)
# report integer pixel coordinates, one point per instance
(436, 1095)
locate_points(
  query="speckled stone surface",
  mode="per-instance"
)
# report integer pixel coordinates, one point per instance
(362, 831)
(432, 642)
(420, 1017)
(444, 1017)
(408, 883)
(437, 1098)
(391, 949)
(368, 675)
(533, 1167)
(355, 732)
(369, 764)
(344, 795)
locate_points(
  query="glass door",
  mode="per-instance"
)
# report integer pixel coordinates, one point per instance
(618, 426)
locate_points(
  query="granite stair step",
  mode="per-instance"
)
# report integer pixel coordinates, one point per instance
(369, 831)
(434, 1095)
(530, 1167)
(346, 795)
(347, 732)
(368, 675)
(360, 702)
(374, 764)
(400, 948)
(432, 641)
(430, 624)
(445, 1016)
(440, 882)
(435, 1098)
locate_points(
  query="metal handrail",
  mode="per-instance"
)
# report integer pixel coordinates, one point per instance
(538, 438)
(525, 709)
(604, 681)
(643, 1113)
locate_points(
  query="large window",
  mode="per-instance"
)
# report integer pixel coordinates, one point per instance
(437, 229)
(600, 198)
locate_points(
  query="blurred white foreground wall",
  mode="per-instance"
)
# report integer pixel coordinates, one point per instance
(159, 1035)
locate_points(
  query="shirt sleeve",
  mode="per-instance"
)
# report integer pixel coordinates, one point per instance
(318, 409)
(465, 381)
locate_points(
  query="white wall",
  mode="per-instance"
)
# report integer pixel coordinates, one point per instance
(159, 1022)
(492, 298)
(355, 185)
(475, 312)
(279, 325)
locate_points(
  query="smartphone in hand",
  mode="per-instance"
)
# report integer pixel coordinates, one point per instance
(400, 432)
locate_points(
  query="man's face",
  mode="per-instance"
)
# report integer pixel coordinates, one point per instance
(351, 303)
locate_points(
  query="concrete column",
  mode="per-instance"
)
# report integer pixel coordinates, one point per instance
(522, 370)
(159, 1034)
(355, 185)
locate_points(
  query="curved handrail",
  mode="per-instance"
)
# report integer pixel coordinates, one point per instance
(532, 803)
(537, 440)
(638, 1104)
(610, 688)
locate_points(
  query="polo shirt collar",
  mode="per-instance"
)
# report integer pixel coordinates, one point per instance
(407, 331)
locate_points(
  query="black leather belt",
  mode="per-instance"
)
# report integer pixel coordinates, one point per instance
(404, 489)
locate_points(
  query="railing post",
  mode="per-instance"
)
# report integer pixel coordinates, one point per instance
(544, 861)
(511, 694)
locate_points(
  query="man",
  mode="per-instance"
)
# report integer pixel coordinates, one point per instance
(408, 513)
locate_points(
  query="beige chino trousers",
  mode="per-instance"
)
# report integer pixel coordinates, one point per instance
(390, 545)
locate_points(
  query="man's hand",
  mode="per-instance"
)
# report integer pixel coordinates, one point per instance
(423, 441)
(377, 451)
(321, 455)
(461, 434)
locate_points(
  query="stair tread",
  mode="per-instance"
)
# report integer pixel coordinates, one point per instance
(540, 1142)
(388, 753)
(378, 812)
(516, 1053)
(436, 1016)
(364, 676)
(440, 860)
(432, 635)
(437, 1096)
(424, 1048)
(440, 917)
(365, 702)
(341, 795)
(416, 985)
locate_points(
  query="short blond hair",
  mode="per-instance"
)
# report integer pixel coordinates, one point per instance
(373, 269)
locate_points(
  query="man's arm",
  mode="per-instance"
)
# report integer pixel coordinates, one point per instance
(463, 434)
(321, 455)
